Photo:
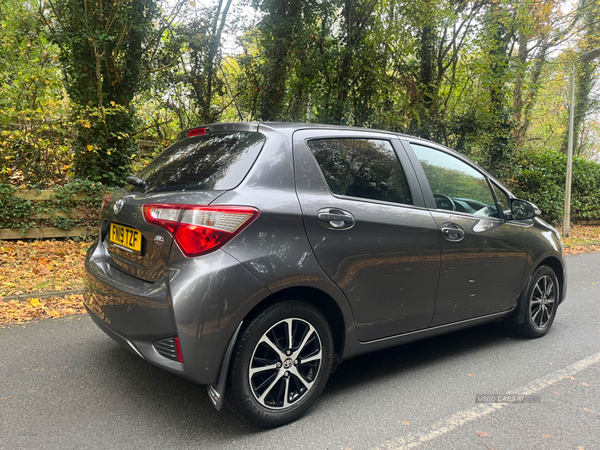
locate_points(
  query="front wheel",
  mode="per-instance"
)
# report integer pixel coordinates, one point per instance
(280, 364)
(542, 302)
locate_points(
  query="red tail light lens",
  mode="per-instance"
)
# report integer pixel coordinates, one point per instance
(105, 201)
(200, 229)
(205, 228)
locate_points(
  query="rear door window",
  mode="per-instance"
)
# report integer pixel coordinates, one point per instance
(363, 168)
(215, 161)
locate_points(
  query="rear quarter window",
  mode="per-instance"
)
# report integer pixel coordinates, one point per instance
(216, 161)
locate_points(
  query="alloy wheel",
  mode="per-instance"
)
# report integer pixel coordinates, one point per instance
(285, 363)
(543, 301)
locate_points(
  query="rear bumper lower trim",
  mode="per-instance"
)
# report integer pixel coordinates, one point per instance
(113, 334)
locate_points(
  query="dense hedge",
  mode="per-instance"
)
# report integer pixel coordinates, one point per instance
(540, 178)
(18, 213)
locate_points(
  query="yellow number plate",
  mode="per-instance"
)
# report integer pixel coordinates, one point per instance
(126, 237)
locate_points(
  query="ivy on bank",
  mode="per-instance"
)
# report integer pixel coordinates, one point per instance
(18, 213)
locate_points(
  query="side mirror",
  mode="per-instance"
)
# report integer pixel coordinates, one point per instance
(523, 210)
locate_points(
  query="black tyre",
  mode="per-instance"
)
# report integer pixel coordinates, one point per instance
(280, 364)
(542, 301)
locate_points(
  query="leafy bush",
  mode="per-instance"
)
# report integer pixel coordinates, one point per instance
(540, 178)
(14, 212)
(18, 213)
(35, 153)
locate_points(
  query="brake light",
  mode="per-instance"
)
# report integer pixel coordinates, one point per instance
(196, 132)
(105, 201)
(200, 229)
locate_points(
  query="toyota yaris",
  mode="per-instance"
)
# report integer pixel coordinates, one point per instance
(253, 257)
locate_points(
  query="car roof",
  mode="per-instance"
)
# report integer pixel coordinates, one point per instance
(292, 126)
(296, 126)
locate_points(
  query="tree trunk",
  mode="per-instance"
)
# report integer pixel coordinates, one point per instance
(279, 27)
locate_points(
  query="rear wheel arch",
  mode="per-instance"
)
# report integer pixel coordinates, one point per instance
(315, 297)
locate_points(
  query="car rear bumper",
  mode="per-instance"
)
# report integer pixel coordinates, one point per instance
(133, 312)
(144, 350)
(199, 300)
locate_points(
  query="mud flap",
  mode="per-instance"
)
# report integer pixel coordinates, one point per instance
(519, 316)
(216, 391)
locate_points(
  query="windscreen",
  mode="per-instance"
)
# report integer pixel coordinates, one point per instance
(215, 161)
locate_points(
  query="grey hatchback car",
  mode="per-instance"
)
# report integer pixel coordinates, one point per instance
(253, 257)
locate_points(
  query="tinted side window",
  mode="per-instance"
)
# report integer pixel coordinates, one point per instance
(456, 185)
(365, 168)
(216, 161)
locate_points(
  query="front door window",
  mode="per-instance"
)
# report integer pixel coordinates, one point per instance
(455, 184)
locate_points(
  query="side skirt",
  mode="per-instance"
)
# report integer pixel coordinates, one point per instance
(360, 348)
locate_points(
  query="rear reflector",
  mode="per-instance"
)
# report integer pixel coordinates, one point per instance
(178, 350)
(196, 132)
(169, 348)
(200, 229)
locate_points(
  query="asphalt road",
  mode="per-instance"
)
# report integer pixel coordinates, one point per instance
(64, 384)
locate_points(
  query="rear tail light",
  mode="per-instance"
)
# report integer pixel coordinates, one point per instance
(105, 201)
(200, 229)
(163, 215)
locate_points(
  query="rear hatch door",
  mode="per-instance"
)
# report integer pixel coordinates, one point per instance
(193, 171)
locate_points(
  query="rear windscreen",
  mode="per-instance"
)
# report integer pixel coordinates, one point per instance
(216, 161)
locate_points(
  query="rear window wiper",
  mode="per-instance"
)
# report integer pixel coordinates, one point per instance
(137, 182)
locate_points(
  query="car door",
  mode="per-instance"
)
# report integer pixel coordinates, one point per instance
(483, 256)
(367, 223)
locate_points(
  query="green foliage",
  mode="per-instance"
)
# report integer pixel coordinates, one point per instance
(36, 153)
(29, 74)
(540, 178)
(64, 197)
(106, 53)
(584, 76)
(14, 212)
(34, 135)
(94, 90)
(18, 213)
(104, 145)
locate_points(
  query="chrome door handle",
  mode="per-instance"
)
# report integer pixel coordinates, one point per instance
(336, 218)
(328, 217)
(452, 232)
